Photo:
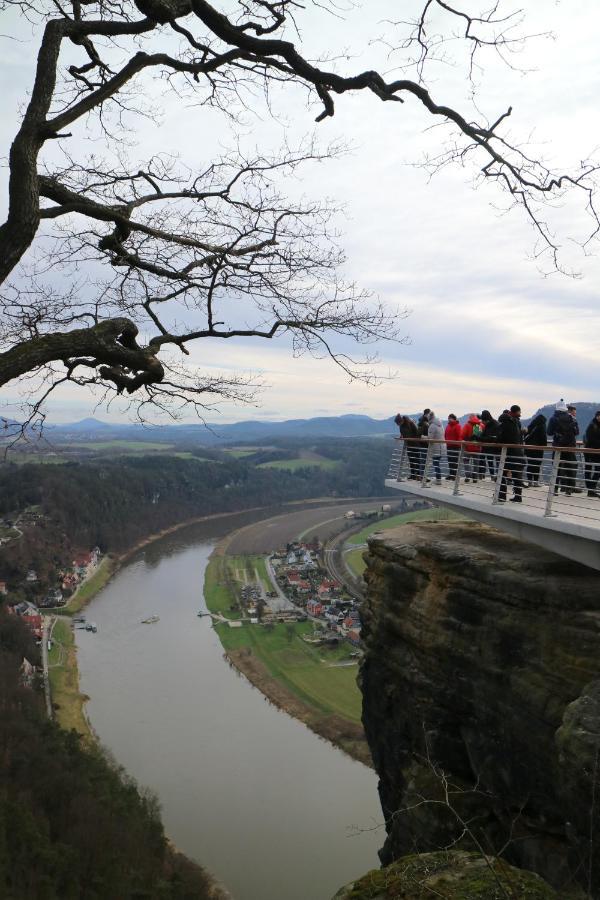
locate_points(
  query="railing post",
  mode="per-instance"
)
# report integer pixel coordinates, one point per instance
(428, 459)
(459, 462)
(499, 475)
(403, 455)
(552, 484)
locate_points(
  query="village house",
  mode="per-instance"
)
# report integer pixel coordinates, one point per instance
(3, 588)
(29, 614)
(70, 581)
(314, 607)
(31, 576)
(27, 673)
(327, 586)
(86, 560)
(54, 597)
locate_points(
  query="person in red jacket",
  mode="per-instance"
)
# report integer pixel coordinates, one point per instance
(472, 429)
(452, 436)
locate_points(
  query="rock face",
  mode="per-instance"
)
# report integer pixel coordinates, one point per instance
(452, 874)
(481, 684)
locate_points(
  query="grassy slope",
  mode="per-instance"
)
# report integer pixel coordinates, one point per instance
(64, 679)
(355, 561)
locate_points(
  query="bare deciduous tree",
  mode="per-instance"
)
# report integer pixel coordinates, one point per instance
(187, 251)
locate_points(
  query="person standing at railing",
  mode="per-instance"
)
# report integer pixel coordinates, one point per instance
(436, 433)
(572, 410)
(472, 429)
(510, 432)
(592, 460)
(563, 429)
(535, 435)
(452, 436)
(422, 429)
(489, 437)
(408, 431)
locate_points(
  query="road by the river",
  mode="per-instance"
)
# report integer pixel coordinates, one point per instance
(271, 534)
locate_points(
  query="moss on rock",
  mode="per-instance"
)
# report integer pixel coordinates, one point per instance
(453, 875)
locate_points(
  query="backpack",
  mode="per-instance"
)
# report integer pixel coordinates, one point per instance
(490, 432)
(564, 431)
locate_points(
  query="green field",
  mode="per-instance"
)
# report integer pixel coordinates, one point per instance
(240, 454)
(64, 679)
(39, 459)
(303, 463)
(420, 515)
(123, 445)
(355, 562)
(305, 669)
(224, 578)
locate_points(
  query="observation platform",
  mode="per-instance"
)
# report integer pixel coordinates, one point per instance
(556, 513)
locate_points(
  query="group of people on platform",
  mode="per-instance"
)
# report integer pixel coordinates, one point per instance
(484, 436)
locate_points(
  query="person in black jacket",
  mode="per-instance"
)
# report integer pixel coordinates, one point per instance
(489, 437)
(592, 460)
(509, 432)
(422, 429)
(563, 429)
(535, 437)
(408, 431)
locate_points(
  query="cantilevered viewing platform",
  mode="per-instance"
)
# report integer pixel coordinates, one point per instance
(556, 513)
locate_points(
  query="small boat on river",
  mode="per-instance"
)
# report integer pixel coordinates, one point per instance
(150, 620)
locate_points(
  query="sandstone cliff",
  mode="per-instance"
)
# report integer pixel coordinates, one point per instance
(481, 685)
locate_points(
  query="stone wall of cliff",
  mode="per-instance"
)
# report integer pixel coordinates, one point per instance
(481, 684)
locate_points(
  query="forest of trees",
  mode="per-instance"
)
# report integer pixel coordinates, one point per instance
(116, 502)
(72, 824)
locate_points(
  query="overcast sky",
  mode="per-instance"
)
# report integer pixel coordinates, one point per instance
(486, 327)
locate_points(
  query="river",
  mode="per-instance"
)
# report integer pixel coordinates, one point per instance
(250, 793)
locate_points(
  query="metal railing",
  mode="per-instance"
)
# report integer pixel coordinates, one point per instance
(555, 481)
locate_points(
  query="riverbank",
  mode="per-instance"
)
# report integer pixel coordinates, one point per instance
(314, 684)
(69, 702)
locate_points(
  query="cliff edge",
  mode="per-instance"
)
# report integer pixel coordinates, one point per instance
(481, 685)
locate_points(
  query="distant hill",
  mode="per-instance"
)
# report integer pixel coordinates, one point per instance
(346, 426)
(585, 413)
(251, 430)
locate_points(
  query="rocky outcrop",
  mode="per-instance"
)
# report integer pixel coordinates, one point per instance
(452, 874)
(481, 684)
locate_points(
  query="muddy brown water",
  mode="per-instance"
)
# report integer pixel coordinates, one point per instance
(273, 811)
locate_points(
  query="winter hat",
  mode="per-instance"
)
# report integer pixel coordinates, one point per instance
(561, 406)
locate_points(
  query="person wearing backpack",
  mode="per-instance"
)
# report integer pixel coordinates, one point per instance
(471, 430)
(535, 437)
(408, 431)
(563, 429)
(592, 460)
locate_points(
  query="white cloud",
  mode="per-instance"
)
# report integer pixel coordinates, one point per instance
(487, 329)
